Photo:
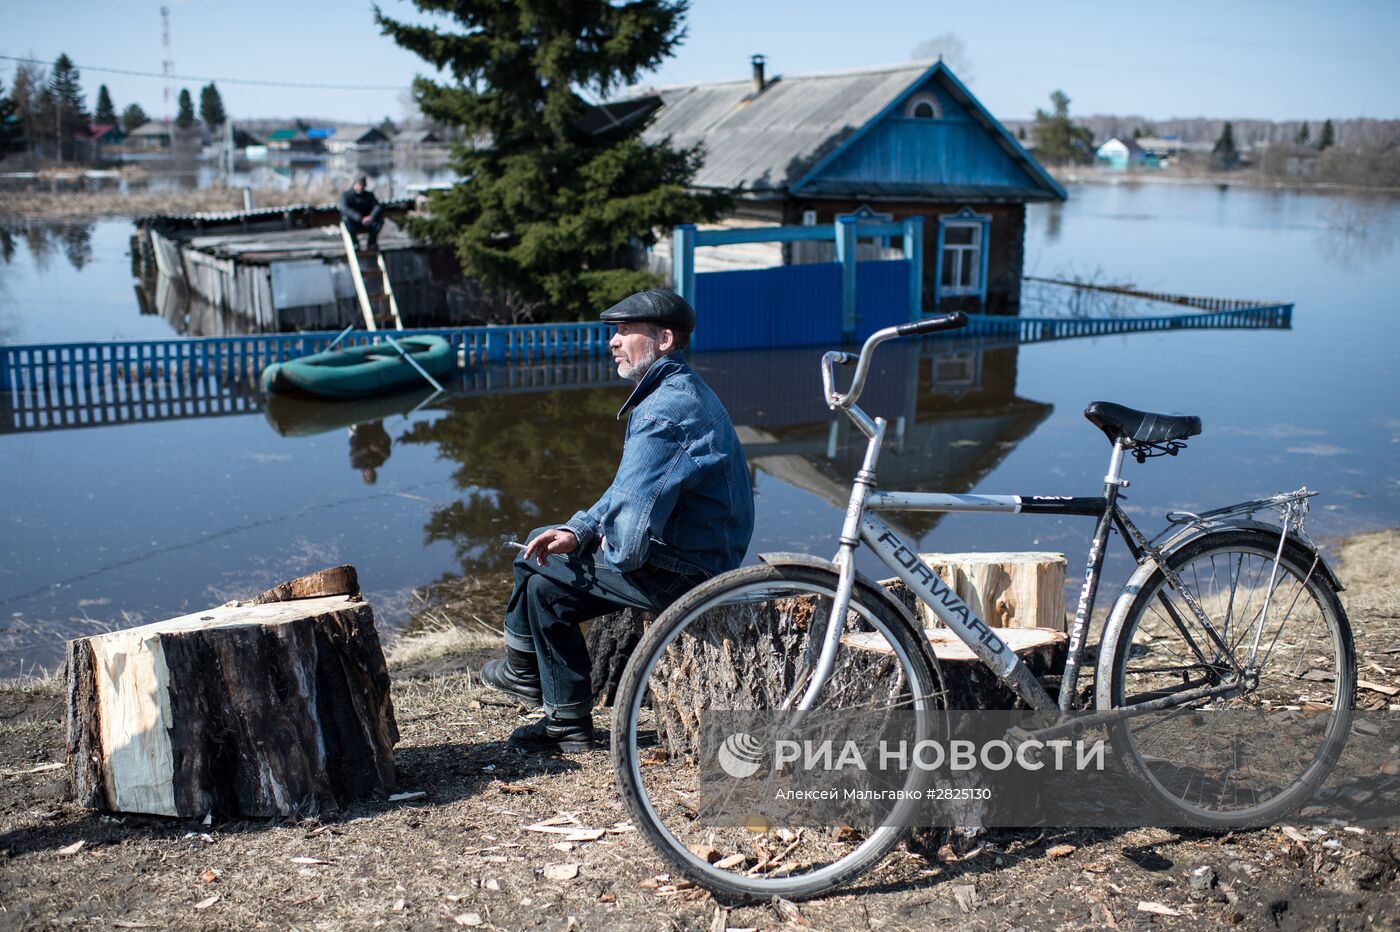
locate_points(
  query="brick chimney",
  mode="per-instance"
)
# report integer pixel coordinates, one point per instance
(758, 84)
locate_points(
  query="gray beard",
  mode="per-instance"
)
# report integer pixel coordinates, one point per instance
(638, 370)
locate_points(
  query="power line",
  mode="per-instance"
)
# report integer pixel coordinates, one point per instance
(191, 77)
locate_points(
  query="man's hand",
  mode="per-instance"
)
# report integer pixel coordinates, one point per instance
(557, 540)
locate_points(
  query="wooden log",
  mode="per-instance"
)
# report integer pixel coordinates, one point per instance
(264, 708)
(1006, 590)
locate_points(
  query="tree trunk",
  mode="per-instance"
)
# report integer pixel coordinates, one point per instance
(275, 706)
(611, 640)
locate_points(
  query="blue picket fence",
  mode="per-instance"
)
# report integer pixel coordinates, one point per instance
(36, 367)
(56, 386)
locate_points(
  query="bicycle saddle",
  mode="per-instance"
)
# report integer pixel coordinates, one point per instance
(1140, 426)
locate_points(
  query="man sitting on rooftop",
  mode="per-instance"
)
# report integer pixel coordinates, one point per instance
(361, 212)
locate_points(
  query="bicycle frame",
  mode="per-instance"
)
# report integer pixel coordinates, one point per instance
(862, 524)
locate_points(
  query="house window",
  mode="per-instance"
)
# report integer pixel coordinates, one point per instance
(962, 257)
(962, 253)
(923, 107)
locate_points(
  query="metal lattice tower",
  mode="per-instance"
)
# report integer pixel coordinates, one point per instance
(167, 65)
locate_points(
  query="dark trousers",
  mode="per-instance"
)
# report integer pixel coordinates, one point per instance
(550, 602)
(371, 225)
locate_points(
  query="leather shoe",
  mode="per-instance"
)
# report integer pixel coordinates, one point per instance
(517, 675)
(555, 734)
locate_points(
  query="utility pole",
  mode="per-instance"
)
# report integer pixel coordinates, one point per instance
(167, 66)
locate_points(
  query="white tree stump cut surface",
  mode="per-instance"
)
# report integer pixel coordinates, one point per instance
(260, 708)
(1024, 589)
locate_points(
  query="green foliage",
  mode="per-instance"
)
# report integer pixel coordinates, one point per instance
(211, 106)
(11, 129)
(549, 210)
(1058, 141)
(1302, 138)
(105, 114)
(184, 113)
(62, 110)
(1329, 135)
(1224, 156)
(132, 117)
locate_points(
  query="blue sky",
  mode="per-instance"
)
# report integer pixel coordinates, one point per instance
(1286, 59)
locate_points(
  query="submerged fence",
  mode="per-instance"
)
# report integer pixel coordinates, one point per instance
(65, 385)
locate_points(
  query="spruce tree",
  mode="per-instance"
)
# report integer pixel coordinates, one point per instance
(1057, 139)
(1224, 155)
(132, 117)
(11, 129)
(105, 114)
(1329, 136)
(64, 109)
(184, 115)
(550, 209)
(211, 106)
(1303, 133)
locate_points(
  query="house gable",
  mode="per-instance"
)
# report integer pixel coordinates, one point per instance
(953, 149)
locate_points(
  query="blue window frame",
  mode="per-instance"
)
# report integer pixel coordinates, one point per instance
(962, 255)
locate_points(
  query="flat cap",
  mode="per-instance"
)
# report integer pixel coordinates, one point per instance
(658, 307)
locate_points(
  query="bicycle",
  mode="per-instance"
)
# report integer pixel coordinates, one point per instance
(1222, 611)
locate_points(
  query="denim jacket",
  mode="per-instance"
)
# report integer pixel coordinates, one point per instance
(682, 499)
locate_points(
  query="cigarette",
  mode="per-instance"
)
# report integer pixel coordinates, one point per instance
(513, 543)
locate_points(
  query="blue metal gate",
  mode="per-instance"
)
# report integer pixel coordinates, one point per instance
(818, 304)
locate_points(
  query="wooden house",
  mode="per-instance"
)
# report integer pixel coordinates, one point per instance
(416, 142)
(153, 135)
(295, 140)
(880, 144)
(357, 138)
(1123, 153)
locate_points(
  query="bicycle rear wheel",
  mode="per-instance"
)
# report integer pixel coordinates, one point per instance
(1257, 754)
(744, 642)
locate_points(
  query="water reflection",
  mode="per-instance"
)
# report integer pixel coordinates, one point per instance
(524, 459)
(1356, 233)
(74, 240)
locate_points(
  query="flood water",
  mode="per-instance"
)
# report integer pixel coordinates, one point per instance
(111, 526)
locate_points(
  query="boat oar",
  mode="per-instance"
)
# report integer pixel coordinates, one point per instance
(414, 363)
(343, 334)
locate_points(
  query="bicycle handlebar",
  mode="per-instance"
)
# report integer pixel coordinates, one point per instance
(835, 399)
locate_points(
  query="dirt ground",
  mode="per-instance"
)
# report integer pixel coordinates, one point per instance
(460, 855)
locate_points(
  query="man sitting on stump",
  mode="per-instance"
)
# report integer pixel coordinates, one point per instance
(679, 511)
(361, 212)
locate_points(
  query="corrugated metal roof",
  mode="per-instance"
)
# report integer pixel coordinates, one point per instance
(770, 141)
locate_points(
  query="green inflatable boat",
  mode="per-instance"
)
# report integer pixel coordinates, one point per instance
(361, 371)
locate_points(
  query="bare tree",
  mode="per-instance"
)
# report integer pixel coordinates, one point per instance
(949, 48)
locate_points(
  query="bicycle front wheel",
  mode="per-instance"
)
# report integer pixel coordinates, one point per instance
(1263, 751)
(746, 642)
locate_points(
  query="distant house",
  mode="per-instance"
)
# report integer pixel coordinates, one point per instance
(1123, 154)
(357, 138)
(412, 141)
(880, 143)
(242, 139)
(150, 136)
(294, 139)
(105, 134)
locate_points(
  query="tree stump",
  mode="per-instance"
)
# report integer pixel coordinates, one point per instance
(611, 640)
(1006, 590)
(274, 706)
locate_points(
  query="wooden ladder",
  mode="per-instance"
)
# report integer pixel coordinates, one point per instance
(372, 285)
